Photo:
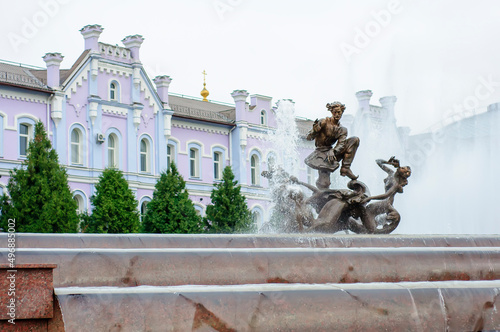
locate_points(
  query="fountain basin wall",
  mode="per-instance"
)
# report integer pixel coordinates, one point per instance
(124, 241)
(438, 306)
(267, 282)
(220, 266)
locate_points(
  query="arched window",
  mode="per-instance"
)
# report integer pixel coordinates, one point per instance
(254, 170)
(80, 204)
(76, 147)
(113, 160)
(113, 91)
(199, 210)
(263, 120)
(257, 216)
(144, 209)
(25, 131)
(145, 156)
(194, 163)
(217, 165)
(271, 162)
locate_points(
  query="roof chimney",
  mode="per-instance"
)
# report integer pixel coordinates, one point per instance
(91, 35)
(53, 62)
(162, 84)
(133, 43)
(240, 99)
(364, 99)
(388, 104)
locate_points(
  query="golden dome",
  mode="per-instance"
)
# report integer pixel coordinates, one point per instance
(204, 93)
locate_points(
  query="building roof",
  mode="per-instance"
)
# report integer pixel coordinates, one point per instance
(16, 74)
(25, 76)
(303, 126)
(200, 110)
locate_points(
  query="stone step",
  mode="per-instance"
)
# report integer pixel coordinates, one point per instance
(124, 241)
(223, 266)
(427, 306)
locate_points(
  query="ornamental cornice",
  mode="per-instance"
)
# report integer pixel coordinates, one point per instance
(198, 113)
(199, 127)
(148, 96)
(22, 97)
(114, 69)
(259, 136)
(77, 82)
(107, 109)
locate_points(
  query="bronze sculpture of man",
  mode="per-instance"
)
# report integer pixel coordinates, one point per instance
(326, 157)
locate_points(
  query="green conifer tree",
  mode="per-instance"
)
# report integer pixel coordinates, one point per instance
(115, 207)
(40, 199)
(171, 210)
(228, 212)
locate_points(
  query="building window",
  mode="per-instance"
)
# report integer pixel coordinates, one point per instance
(144, 209)
(76, 147)
(217, 165)
(113, 91)
(199, 210)
(254, 170)
(170, 154)
(24, 139)
(271, 162)
(256, 217)
(194, 160)
(112, 151)
(263, 118)
(80, 205)
(144, 151)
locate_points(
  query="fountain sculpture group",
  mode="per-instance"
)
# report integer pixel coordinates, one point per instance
(350, 209)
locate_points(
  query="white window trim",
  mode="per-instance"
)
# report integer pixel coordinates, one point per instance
(79, 161)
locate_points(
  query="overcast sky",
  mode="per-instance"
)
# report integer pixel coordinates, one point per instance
(437, 57)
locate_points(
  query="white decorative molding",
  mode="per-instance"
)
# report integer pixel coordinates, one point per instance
(222, 147)
(137, 119)
(148, 96)
(94, 67)
(115, 110)
(200, 127)
(167, 125)
(146, 118)
(56, 112)
(117, 52)
(243, 136)
(22, 97)
(258, 152)
(93, 111)
(77, 108)
(77, 81)
(259, 136)
(114, 69)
